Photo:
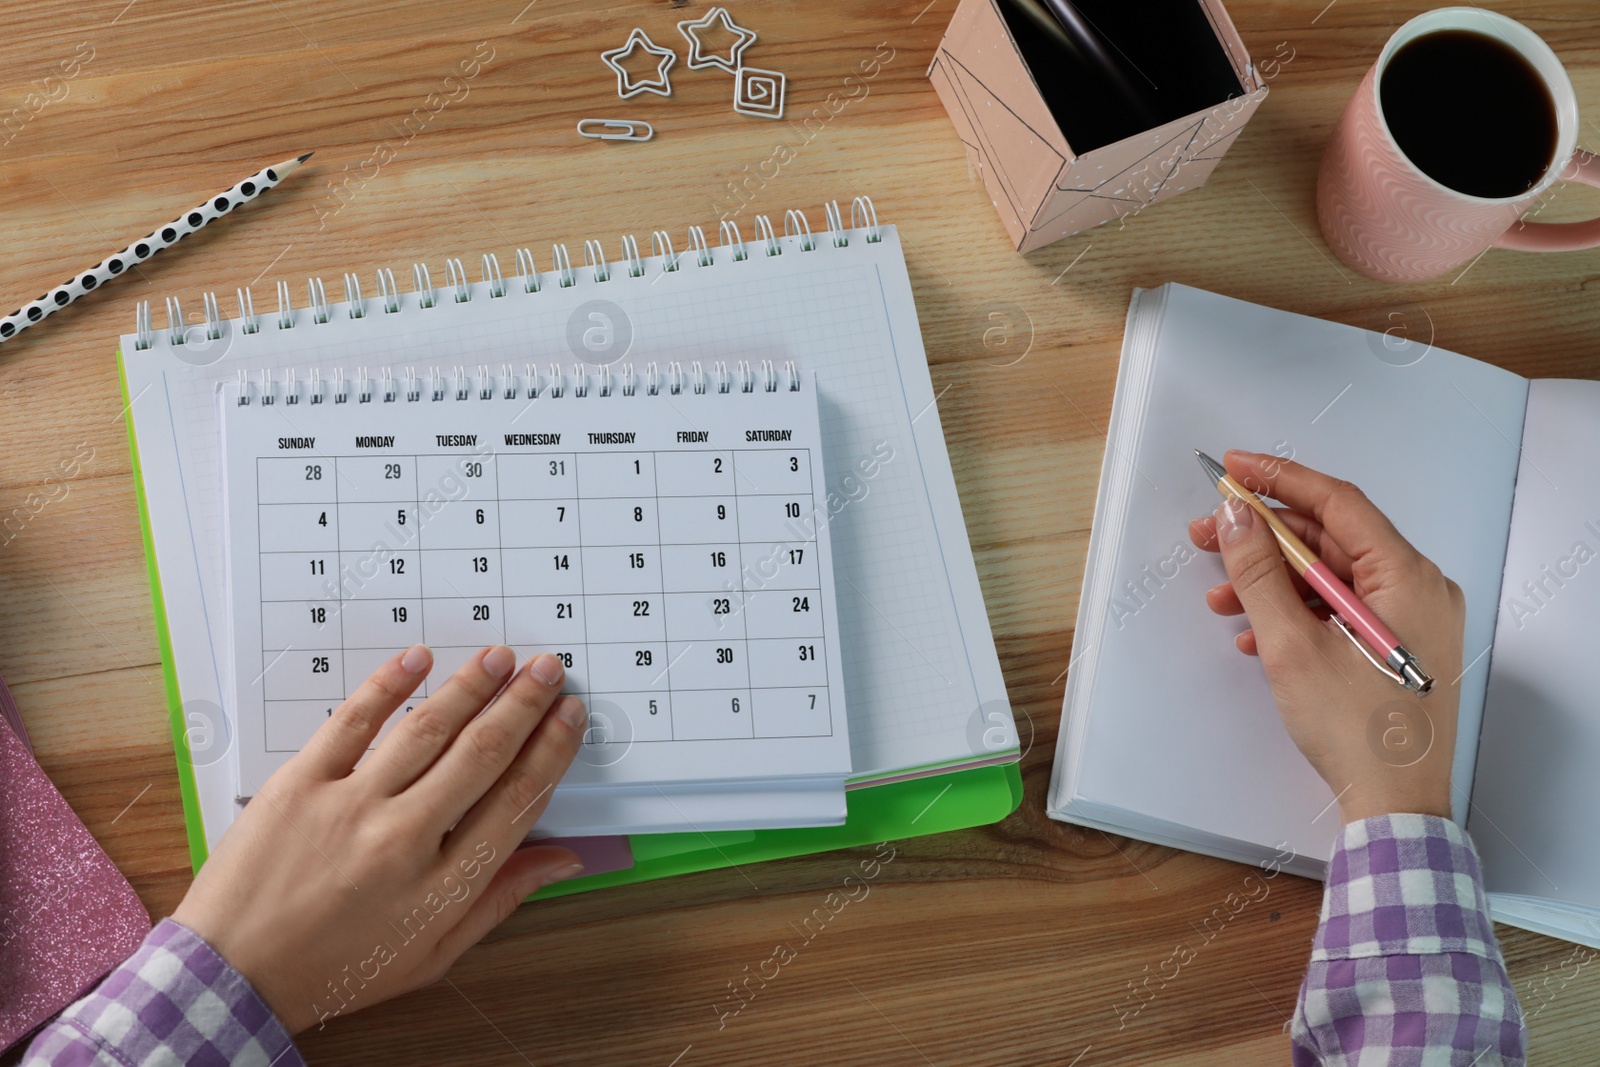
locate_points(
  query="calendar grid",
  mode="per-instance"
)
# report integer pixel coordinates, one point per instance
(823, 615)
(666, 631)
(583, 590)
(733, 458)
(500, 559)
(668, 638)
(500, 554)
(338, 573)
(428, 684)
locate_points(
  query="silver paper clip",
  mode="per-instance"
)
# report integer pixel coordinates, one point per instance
(616, 129)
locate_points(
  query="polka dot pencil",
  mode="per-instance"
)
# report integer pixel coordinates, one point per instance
(164, 237)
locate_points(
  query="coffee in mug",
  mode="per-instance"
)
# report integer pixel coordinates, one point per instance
(1466, 120)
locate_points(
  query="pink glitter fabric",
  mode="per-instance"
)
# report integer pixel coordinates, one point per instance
(67, 916)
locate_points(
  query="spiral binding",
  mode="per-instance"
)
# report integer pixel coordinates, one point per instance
(458, 289)
(266, 390)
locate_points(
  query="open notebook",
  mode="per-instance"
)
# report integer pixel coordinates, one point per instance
(1171, 736)
(921, 678)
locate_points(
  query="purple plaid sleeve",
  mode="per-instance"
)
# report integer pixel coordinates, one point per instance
(174, 1001)
(1405, 971)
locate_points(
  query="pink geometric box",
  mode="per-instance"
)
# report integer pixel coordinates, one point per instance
(1042, 189)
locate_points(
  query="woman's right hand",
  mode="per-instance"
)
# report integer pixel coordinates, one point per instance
(1380, 748)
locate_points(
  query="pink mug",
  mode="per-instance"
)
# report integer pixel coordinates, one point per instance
(1390, 221)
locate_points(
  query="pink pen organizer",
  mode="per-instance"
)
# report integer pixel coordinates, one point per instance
(1076, 114)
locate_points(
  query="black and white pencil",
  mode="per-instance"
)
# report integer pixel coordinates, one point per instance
(142, 249)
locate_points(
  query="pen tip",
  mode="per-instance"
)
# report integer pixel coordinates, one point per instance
(305, 157)
(1214, 470)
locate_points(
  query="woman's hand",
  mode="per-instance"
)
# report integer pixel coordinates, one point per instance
(1380, 748)
(340, 886)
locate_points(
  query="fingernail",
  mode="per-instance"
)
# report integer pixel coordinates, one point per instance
(548, 668)
(1233, 520)
(499, 661)
(561, 874)
(417, 659)
(572, 712)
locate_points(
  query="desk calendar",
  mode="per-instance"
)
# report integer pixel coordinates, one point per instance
(658, 532)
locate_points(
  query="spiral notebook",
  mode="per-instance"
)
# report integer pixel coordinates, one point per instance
(931, 735)
(663, 533)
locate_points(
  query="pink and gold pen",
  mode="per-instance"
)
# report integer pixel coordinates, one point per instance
(1349, 612)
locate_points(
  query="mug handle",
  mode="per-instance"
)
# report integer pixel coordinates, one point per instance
(1525, 236)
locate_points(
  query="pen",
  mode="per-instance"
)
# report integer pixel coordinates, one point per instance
(1349, 612)
(139, 251)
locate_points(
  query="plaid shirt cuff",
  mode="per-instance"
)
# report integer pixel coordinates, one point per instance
(1405, 970)
(1404, 885)
(174, 1001)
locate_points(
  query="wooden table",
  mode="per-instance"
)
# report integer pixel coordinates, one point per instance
(1004, 945)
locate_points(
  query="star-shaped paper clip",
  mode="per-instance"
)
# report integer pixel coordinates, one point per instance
(698, 60)
(626, 86)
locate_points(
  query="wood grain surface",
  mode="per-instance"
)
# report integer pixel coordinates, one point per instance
(1011, 944)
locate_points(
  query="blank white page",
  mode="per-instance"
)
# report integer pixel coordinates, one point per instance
(1536, 801)
(921, 675)
(1169, 720)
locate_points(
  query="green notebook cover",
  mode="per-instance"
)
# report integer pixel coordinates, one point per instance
(951, 801)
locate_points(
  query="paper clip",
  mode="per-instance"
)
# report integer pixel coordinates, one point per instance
(608, 129)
